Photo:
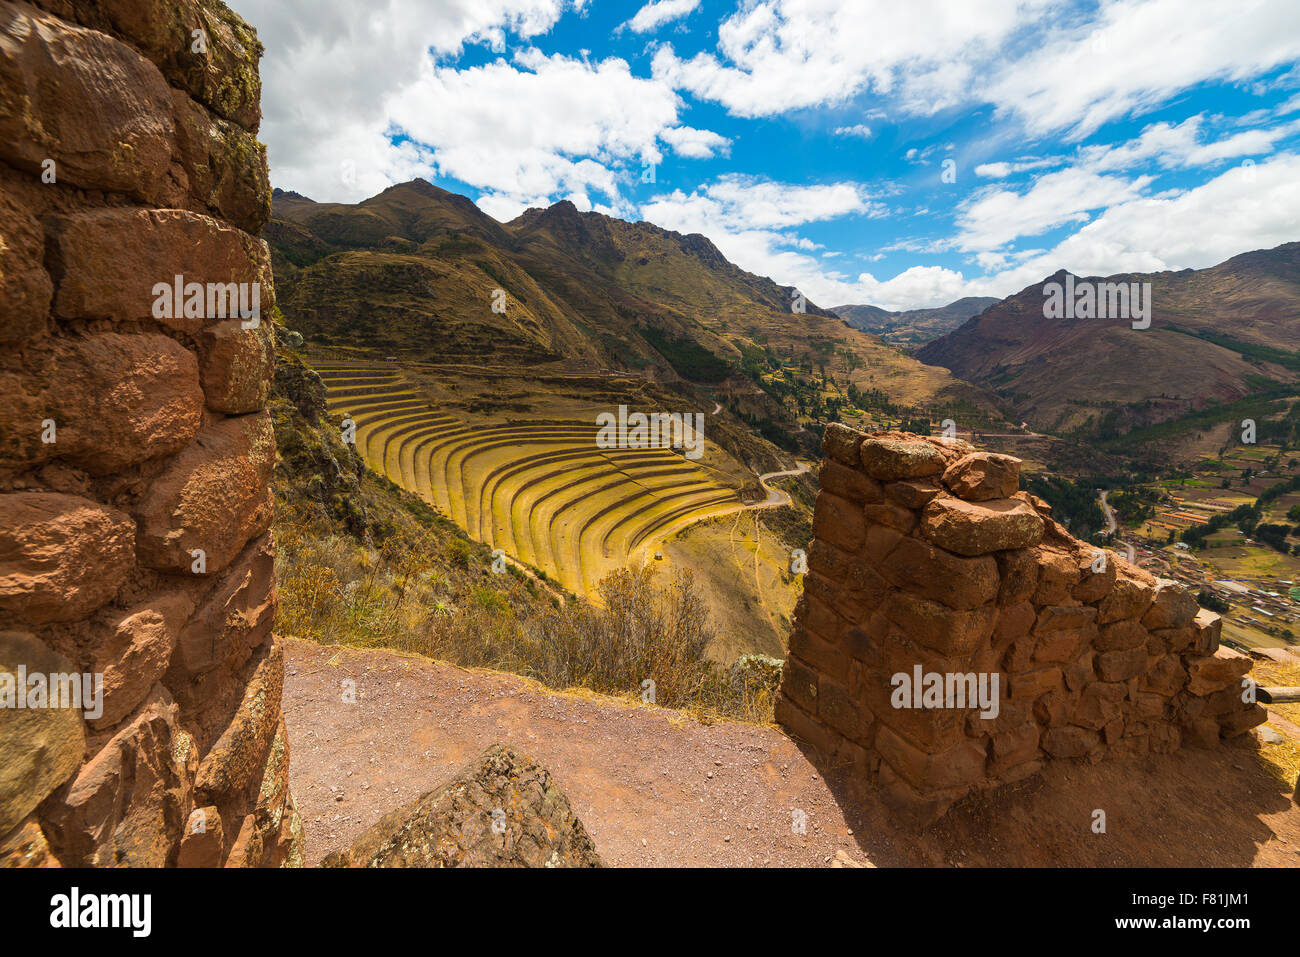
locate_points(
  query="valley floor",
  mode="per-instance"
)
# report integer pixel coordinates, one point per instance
(656, 788)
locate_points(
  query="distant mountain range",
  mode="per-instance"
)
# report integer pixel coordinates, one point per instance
(415, 272)
(915, 327)
(1218, 335)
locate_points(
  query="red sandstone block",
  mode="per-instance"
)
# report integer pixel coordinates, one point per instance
(824, 658)
(803, 726)
(799, 683)
(61, 556)
(848, 483)
(114, 135)
(838, 521)
(839, 710)
(957, 767)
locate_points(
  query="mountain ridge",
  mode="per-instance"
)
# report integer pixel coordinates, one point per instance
(1217, 335)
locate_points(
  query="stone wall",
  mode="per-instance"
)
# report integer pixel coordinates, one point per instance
(135, 449)
(928, 560)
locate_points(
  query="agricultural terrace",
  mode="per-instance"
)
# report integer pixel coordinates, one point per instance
(539, 489)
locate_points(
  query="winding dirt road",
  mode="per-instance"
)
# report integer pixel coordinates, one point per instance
(775, 496)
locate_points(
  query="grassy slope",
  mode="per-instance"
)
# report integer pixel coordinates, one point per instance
(361, 562)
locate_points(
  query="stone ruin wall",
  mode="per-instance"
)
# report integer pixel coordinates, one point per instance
(128, 156)
(926, 553)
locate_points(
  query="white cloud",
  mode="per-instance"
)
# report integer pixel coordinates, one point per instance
(1182, 145)
(780, 55)
(541, 127)
(997, 216)
(694, 144)
(330, 69)
(1138, 54)
(856, 130)
(656, 14)
(1244, 208)
(1055, 72)
(340, 89)
(1001, 170)
(736, 202)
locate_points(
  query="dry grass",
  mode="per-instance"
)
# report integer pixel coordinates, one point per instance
(407, 595)
(1284, 757)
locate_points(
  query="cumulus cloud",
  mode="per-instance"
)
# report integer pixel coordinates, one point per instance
(353, 104)
(539, 127)
(330, 70)
(694, 144)
(780, 55)
(1138, 54)
(654, 15)
(997, 216)
(1126, 57)
(1183, 145)
(1244, 208)
(736, 202)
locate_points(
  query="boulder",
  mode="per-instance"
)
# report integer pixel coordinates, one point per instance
(1222, 669)
(232, 620)
(1173, 606)
(135, 652)
(838, 521)
(128, 805)
(204, 841)
(212, 497)
(40, 747)
(1207, 627)
(970, 528)
(26, 846)
(841, 443)
(27, 289)
(106, 264)
(123, 399)
(889, 460)
(225, 164)
(931, 572)
(981, 476)
(502, 810)
(848, 483)
(938, 627)
(61, 556)
(96, 107)
(237, 760)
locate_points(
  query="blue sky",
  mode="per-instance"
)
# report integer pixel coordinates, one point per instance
(810, 139)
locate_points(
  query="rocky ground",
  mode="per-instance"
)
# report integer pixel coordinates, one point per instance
(655, 788)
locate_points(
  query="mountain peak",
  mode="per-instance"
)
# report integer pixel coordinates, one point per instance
(279, 193)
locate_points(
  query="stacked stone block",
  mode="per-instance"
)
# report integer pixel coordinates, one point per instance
(926, 552)
(135, 448)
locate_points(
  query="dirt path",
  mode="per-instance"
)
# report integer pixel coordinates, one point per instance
(1106, 510)
(651, 787)
(656, 788)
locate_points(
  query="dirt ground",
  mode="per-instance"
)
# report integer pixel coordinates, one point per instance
(655, 788)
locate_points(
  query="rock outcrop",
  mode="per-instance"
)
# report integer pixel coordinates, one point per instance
(136, 569)
(502, 810)
(952, 636)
